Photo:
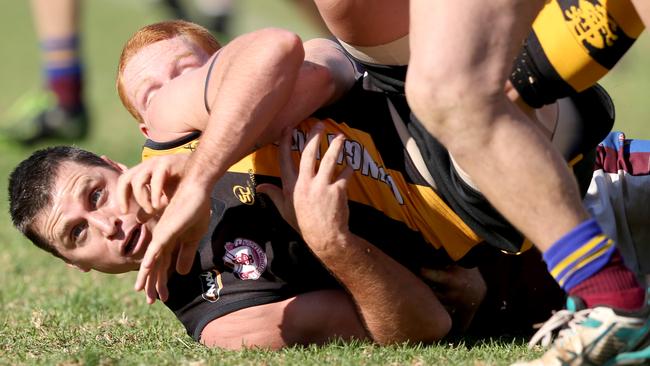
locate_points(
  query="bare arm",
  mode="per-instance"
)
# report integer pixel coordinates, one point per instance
(266, 83)
(394, 304)
(252, 83)
(325, 75)
(304, 319)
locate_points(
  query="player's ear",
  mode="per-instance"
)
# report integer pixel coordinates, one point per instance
(143, 129)
(79, 267)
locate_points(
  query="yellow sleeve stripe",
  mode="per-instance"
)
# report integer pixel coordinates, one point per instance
(184, 149)
(575, 256)
(558, 44)
(576, 160)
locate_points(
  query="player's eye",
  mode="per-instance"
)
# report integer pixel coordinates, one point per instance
(95, 196)
(77, 231)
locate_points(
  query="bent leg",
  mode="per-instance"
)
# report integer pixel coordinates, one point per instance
(64, 116)
(455, 85)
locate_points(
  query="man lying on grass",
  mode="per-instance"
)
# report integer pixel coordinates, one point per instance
(255, 282)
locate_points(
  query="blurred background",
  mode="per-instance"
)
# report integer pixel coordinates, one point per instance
(49, 312)
(44, 303)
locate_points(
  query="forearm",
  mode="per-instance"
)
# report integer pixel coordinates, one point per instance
(325, 75)
(395, 305)
(252, 82)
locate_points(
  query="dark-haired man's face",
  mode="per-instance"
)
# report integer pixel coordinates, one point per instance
(85, 224)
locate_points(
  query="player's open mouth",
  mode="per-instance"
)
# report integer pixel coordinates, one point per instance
(132, 241)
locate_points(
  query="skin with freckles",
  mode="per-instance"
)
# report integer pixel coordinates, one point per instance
(154, 67)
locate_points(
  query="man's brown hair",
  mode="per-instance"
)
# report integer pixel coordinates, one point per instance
(155, 33)
(31, 185)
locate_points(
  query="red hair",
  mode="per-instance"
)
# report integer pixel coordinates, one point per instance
(155, 33)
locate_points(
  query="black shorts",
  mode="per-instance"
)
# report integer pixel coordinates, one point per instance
(579, 138)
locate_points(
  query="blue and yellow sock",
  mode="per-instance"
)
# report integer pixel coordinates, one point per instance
(586, 264)
(63, 71)
(579, 254)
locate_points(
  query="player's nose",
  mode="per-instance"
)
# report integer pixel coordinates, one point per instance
(104, 222)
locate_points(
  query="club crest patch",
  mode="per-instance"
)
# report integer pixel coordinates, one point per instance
(246, 257)
(212, 285)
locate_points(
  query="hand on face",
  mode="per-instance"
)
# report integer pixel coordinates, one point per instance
(314, 200)
(151, 183)
(177, 234)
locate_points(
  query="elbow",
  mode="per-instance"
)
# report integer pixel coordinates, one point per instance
(317, 77)
(282, 46)
(436, 330)
(426, 330)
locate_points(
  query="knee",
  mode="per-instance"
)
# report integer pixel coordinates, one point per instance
(452, 107)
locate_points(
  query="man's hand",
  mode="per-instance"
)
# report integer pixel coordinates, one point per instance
(461, 291)
(318, 194)
(151, 183)
(314, 200)
(283, 197)
(178, 232)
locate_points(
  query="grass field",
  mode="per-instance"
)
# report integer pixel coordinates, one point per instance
(50, 314)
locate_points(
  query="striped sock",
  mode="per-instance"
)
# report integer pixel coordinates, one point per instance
(63, 71)
(579, 254)
(614, 285)
(585, 263)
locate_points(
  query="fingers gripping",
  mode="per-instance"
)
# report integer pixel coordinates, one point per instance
(329, 164)
(186, 257)
(141, 191)
(310, 153)
(287, 166)
(158, 179)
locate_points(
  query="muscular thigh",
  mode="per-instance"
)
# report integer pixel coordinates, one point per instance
(458, 38)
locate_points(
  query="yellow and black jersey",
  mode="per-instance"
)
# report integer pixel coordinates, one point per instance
(572, 45)
(381, 190)
(251, 256)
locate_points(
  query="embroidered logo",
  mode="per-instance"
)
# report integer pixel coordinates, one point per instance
(212, 285)
(244, 194)
(246, 257)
